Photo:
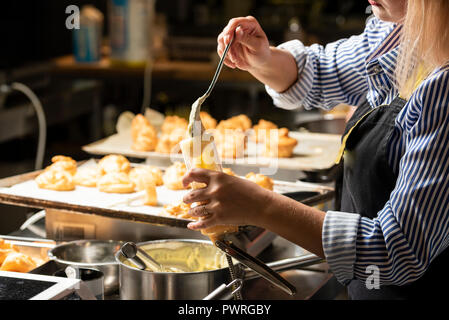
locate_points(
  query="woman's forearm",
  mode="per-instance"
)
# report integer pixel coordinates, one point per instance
(283, 213)
(279, 73)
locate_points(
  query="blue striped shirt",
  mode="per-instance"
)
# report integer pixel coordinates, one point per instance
(413, 226)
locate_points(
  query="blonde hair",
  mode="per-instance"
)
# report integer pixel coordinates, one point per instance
(424, 44)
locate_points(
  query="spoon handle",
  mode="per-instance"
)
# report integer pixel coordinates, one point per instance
(153, 264)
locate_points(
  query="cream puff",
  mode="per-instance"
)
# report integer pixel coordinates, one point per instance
(116, 182)
(142, 175)
(57, 180)
(144, 135)
(87, 177)
(114, 163)
(63, 163)
(173, 176)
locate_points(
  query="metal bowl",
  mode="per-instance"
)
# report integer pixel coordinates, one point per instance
(96, 254)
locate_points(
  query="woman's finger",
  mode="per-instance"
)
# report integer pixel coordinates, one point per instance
(220, 50)
(244, 22)
(200, 211)
(238, 57)
(198, 195)
(250, 41)
(202, 223)
(197, 175)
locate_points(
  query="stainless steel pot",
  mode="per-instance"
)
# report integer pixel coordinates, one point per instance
(138, 284)
(95, 254)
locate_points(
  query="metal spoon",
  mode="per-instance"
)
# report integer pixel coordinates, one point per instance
(195, 120)
(130, 250)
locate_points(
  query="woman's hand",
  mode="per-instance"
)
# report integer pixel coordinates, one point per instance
(230, 200)
(250, 49)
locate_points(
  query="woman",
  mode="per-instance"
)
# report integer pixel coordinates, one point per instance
(395, 200)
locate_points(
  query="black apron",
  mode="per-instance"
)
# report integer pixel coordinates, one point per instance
(368, 181)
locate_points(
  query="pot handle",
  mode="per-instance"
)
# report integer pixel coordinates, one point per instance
(225, 292)
(286, 264)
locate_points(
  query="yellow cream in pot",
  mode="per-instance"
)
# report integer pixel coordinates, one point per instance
(186, 258)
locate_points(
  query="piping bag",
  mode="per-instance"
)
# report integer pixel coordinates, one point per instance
(199, 151)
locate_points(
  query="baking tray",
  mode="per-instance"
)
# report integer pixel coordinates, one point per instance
(315, 151)
(21, 190)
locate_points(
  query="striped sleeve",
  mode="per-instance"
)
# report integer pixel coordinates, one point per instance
(332, 74)
(413, 226)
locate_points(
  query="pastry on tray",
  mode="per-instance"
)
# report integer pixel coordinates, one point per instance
(208, 121)
(169, 142)
(114, 163)
(57, 180)
(116, 182)
(63, 163)
(240, 122)
(281, 145)
(262, 130)
(144, 135)
(230, 143)
(150, 197)
(87, 177)
(143, 175)
(172, 123)
(261, 180)
(173, 176)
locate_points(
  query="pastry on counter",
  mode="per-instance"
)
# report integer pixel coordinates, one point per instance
(56, 179)
(169, 142)
(87, 177)
(208, 121)
(143, 175)
(114, 163)
(144, 135)
(173, 176)
(18, 262)
(63, 163)
(172, 123)
(280, 146)
(116, 182)
(262, 130)
(261, 180)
